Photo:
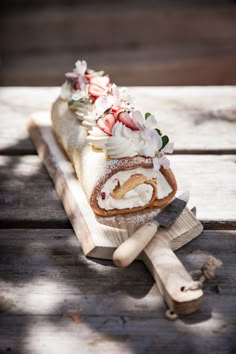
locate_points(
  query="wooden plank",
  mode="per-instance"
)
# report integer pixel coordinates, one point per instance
(121, 302)
(53, 275)
(197, 119)
(37, 3)
(25, 185)
(211, 183)
(50, 264)
(27, 196)
(174, 66)
(38, 302)
(52, 28)
(116, 334)
(16, 105)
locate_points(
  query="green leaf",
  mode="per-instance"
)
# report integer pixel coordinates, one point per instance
(107, 110)
(147, 114)
(90, 71)
(70, 103)
(101, 73)
(159, 132)
(165, 141)
(74, 104)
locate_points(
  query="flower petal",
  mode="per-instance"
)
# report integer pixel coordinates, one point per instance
(71, 75)
(156, 163)
(138, 119)
(165, 162)
(169, 148)
(102, 104)
(156, 138)
(151, 122)
(115, 91)
(80, 67)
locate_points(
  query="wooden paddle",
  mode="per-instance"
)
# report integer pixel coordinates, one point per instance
(100, 236)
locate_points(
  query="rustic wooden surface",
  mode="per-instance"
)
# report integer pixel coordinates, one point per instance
(54, 299)
(155, 42)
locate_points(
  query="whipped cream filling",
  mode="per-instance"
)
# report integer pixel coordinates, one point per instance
(139, 196)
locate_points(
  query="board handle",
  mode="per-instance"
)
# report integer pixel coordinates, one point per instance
(129, 250)
(180, 292)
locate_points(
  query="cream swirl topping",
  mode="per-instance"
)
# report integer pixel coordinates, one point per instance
(126, 142)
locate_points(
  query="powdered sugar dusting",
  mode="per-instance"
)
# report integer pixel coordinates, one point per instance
(130, 221)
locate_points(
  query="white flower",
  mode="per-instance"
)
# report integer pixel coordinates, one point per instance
(138, 119)
(115, 91)
(83, 83)
(125, 95)
(153, 136)
(102, 104)
(164, 162)
(148, 132)
(80, 67)
(142, 123)
(160, 161)
(168, 149)
(151, 122)
(121, 96)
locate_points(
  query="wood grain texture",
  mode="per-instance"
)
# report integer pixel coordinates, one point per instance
(44, 276)
(27, 197)
(154, 43)
(25, 183)
(49, 265)
(114, 26)
(197, 119)
(115, 335)
(175, 65)
(16, 105)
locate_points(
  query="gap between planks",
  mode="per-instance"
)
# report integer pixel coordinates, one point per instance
(31, 151)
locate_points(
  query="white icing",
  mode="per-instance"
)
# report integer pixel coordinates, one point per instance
(84, 112)
(126, 142)
(137, 197)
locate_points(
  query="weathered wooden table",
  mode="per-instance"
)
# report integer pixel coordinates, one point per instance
(55, 300)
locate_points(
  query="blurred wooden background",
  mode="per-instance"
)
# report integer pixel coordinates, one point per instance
(137, 42)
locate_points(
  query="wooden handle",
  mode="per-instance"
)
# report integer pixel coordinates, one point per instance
(133, 246)
(174, 282)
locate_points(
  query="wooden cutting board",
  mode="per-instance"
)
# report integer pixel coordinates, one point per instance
(99, 236)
